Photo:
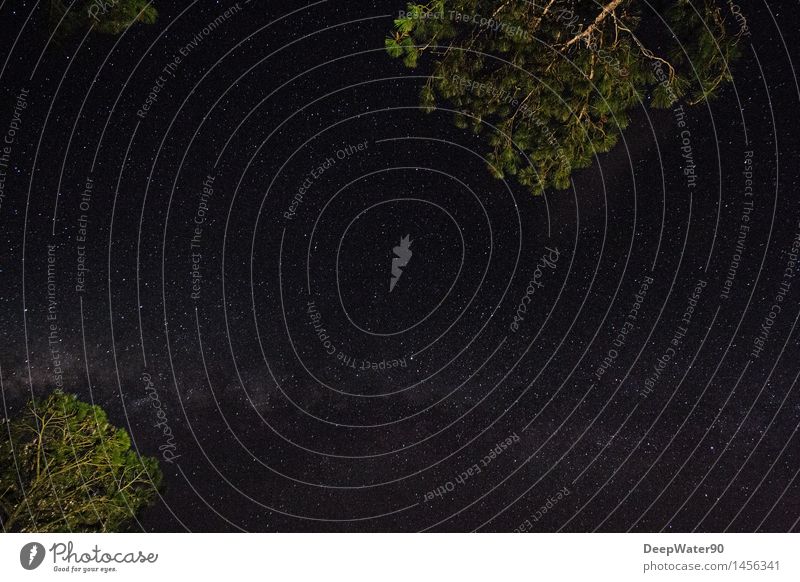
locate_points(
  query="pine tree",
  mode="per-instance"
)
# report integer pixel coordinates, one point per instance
(65, 468)
(558, 78)
(103, 16)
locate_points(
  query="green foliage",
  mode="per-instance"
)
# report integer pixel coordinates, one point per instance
(103, 16)
(558, 78)
(65, 468)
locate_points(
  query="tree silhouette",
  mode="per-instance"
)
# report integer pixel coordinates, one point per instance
(558, 78)
(103, 16)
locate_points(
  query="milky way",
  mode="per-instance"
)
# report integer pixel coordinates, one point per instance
(236, 230)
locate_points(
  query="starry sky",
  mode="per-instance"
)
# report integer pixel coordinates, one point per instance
(198, 230)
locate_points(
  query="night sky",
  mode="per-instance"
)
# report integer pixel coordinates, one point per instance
(204, 245)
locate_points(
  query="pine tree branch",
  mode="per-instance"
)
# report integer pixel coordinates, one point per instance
(644, 50)
(607, 9)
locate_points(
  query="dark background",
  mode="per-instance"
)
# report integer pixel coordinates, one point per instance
(273, 433)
